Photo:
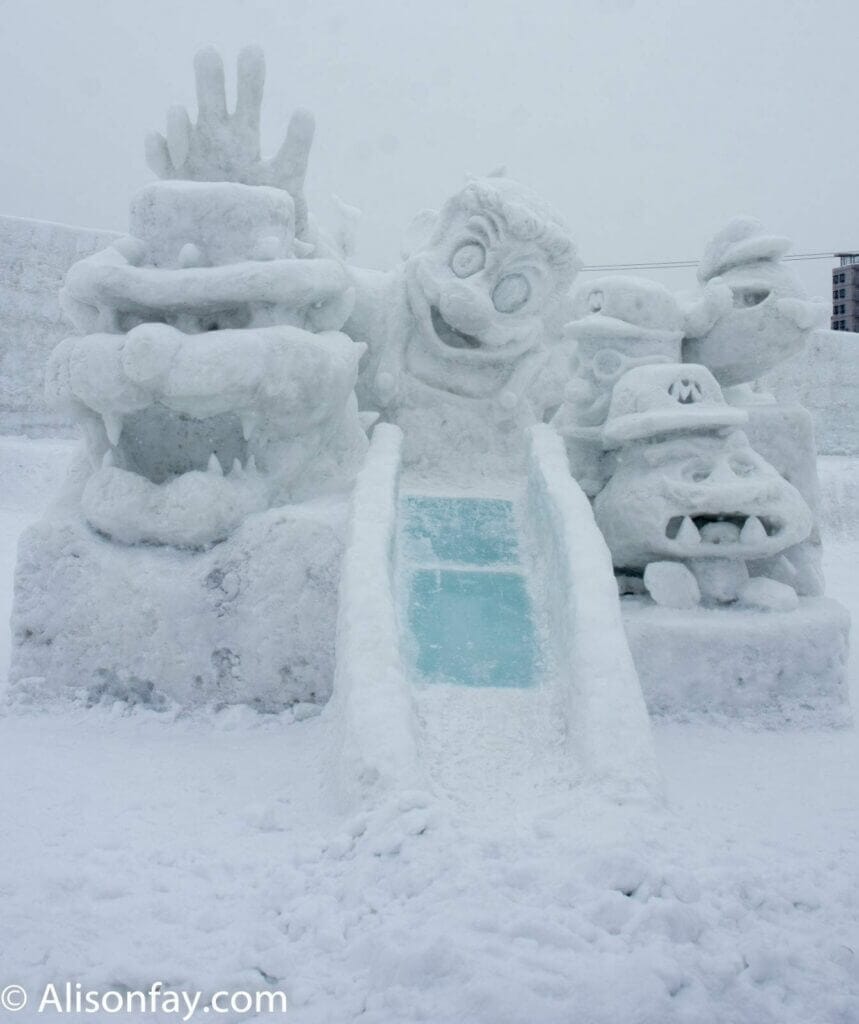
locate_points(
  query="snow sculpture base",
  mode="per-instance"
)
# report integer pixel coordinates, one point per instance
(774, 668)
(251, 620)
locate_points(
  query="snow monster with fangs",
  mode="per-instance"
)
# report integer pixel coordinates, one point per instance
(688, 489)
(194, 553)
(209, 377)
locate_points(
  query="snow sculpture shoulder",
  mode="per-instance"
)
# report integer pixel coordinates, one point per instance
(690, 503)
(211, 381)
(751, 313)
(461, 335)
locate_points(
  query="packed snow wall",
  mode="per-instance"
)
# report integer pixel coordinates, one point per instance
(34, 258)
(825, 379)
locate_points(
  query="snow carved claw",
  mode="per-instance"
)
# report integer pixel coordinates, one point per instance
(222, 146)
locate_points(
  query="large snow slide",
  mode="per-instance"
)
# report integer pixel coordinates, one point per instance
(480, 638)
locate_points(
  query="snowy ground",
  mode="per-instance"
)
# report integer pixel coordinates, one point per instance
(207, 852)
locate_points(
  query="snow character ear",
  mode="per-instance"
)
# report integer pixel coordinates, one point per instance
(713, 302)
(418, 233)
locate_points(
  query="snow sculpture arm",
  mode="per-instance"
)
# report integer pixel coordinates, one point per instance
(222, 146)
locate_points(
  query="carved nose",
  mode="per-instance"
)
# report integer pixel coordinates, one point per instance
(463, 309)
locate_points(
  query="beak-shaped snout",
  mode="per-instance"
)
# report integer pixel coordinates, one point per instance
(804, 314)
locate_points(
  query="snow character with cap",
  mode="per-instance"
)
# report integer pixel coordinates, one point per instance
(620, 323)
(751, 313)
(690, 504)
(460, 336)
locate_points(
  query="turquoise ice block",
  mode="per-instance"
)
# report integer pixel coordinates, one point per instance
(473, 628)
(471, 531)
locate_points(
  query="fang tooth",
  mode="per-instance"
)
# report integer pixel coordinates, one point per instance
(113, 427)
(688, 532)
(107, 459)
(215, 466)
(753, 531)
(248, 424)
(251, 464)
(237, 466)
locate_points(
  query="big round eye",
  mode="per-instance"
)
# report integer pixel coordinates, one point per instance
(511, 293)
(468, 259)
(607, 364)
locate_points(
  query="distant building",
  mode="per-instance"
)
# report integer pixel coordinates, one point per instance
(845, 293)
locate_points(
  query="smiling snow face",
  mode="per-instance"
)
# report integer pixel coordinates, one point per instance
(486, 290)
(698, 496)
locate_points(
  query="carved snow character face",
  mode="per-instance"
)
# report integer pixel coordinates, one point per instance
(214, 397)
(619, 323)
(758, 315)
(698, 496)
(486, 288)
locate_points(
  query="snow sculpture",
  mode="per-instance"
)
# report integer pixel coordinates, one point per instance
(214, 392)
(708, 539)
(689, 489)
(619, 323)
(215, 384)
(461, 335)
(752, 312)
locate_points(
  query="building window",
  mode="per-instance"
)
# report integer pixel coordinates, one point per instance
(841, 293)
(841, 278)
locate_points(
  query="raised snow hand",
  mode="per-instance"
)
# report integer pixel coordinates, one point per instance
(222, 146)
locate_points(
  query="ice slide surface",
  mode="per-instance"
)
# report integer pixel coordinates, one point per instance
(481, 652)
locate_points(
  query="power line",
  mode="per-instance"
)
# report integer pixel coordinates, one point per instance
(678, 264)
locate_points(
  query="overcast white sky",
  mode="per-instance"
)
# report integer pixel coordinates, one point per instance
(646, 122)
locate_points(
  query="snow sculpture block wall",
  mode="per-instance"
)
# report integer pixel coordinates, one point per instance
(250, 620)
(34, 258)
(825, 380)
(774, 668)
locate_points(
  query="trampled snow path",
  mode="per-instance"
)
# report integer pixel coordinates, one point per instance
(203, 851)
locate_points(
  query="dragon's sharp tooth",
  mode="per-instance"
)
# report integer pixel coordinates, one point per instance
(753, 531)
(107, 459)
(251, 464)
(215, 466)
(112, 426)
(237, 466)
(688, 532)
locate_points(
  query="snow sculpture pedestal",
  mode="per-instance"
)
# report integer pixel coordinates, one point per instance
(774, 668)
(250, 620)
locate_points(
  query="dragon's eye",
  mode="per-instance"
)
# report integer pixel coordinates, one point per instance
(511, 293)
(745, 298)
(468, 259)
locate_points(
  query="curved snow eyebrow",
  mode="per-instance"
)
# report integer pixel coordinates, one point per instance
(486, 225)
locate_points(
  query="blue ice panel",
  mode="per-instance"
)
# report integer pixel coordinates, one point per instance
(472, 628)
(473, 531)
